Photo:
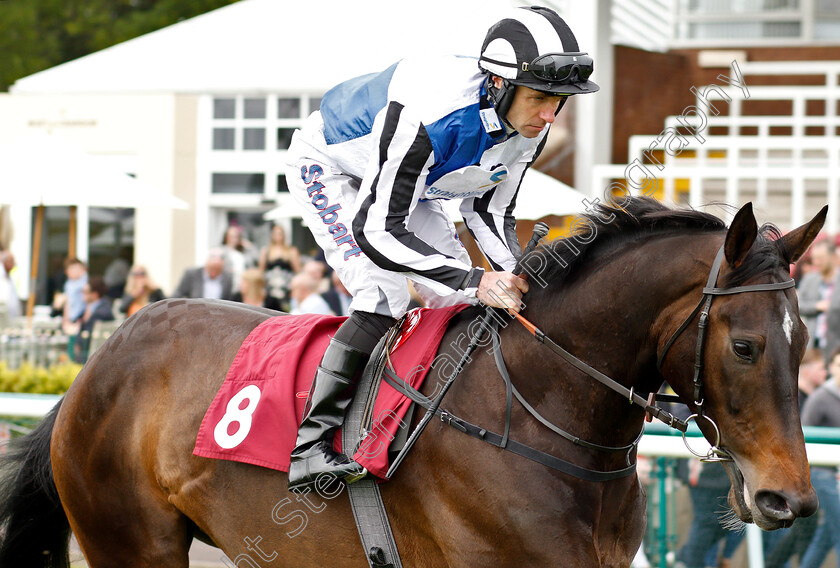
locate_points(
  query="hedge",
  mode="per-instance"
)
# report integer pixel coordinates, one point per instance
(38, 380)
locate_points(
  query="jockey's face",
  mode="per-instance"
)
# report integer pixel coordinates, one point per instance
(531, 110)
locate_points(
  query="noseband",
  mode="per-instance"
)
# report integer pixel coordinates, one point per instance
(709, 292)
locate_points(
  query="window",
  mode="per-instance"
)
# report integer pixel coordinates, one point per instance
(238, 183)
(224, 108)
(282, 186)
(223, 138)
(254, 108)
(253, 139)
(288, 107)
(111, 246)
(284, 138)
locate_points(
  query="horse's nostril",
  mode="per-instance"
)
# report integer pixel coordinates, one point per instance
(774, 505)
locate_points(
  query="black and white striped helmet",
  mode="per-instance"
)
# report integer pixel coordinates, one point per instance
(535, 48)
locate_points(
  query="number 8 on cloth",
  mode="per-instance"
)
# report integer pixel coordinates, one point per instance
(234, 414)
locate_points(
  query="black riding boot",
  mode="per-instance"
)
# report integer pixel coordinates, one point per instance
(331, 393)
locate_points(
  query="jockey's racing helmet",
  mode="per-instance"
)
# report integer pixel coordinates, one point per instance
(535, 48)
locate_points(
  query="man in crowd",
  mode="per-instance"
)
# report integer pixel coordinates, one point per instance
(209, 281)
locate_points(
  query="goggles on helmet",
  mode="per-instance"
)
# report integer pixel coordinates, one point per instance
(560, 67)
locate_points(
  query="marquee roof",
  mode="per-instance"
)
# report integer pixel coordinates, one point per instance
(275, 46)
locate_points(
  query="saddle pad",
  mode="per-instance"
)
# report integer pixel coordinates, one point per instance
(255, 414)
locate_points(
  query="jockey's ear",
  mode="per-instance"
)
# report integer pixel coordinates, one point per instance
(741, 236)
(795, 243)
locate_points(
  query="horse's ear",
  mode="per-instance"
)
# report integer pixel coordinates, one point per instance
(796, 242)
(741, 236)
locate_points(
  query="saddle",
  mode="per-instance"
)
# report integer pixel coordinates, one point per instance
(256, 412)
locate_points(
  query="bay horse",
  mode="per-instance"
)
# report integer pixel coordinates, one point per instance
(114, 464)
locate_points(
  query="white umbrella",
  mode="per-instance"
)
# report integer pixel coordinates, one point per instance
(286, 209)
(44, 169)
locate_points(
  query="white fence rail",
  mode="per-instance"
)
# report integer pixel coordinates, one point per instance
(725, 147)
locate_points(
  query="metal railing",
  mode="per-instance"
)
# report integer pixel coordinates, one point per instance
(663, 444)
(43, 343)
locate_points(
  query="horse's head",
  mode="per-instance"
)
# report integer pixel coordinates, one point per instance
(754, 343)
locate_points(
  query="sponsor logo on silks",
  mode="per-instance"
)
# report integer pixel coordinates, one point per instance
(471, 181)
(490, 120)
(327, 211)
(438, 193)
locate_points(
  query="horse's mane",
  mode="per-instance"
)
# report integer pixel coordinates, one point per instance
(606, 228)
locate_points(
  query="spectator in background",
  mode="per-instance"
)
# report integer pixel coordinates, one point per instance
(55, 284)
(280, 262)
(140, 290)
(209, 281)
(72, 301)
(305, 296)
(317, 270)
(252, 291)
(822, 408)
(337, 297)
(239, 253)
(802, 267)
(819, 306)
(812, 374)
(116, 276)
(795, 540)
(708, 487)
(9, 299)
(97, 308)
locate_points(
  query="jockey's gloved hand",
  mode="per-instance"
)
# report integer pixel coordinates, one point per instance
(502, 290)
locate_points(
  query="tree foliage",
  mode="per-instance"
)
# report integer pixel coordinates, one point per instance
(39, 34)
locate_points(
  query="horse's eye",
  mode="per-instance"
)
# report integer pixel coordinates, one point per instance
(743, 350)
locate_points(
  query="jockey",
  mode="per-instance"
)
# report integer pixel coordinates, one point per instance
(371, 166)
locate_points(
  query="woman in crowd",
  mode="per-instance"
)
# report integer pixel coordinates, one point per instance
(239, 253)
(252, 290)
(279, 261)
(140, 290)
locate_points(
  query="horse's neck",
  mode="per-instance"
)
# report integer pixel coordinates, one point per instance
(614, 316)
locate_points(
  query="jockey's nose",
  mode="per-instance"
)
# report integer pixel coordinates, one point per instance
(547, 113)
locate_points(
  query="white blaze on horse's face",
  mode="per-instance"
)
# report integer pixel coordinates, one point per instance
(787, 326)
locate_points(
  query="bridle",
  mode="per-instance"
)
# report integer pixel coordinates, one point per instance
(709, 292)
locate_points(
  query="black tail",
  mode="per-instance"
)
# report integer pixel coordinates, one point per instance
(35, 531)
